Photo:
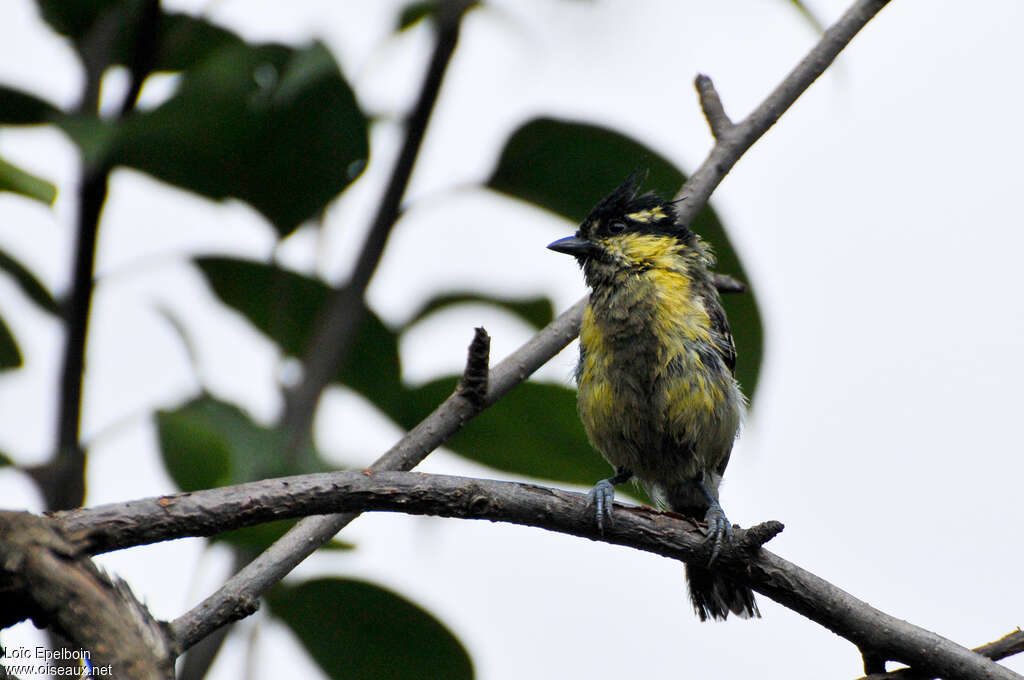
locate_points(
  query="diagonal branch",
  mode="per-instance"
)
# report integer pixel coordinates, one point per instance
(667, 534)
(733, 140)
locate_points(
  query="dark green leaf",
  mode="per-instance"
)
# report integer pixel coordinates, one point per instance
(5, 460)
(208, 443)
(97, 139)
(18, 181)
(274, 126)
(186, 40)
(282, 304)
(196, 452)
(10, 355)
(285, 306)
(28, 283)
(538, 312)
(179, 43)
(414, 12)
(74, 19)
(360, 631)
(21, 108)
(568, 167)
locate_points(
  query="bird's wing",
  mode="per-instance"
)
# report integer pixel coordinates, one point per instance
(721, 336)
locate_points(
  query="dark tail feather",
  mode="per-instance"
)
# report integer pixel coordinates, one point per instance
(715, 595)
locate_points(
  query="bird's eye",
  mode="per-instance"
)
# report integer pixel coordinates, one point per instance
(617, 227)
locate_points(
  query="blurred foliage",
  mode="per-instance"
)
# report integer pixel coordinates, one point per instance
(10, 355)
(23, 108)
(280, 128)
(360, 631)
(271, 125)
(18, 181)
(28, 283)
(415, 12)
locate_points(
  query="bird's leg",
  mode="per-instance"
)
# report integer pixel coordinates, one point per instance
(603, 494)
(719, 527)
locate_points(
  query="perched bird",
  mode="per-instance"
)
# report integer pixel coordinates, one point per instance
(657, 394)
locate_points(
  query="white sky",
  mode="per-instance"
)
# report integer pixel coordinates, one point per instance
(878, 222)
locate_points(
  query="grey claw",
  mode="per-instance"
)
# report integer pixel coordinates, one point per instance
(719, 529)
(601, 497)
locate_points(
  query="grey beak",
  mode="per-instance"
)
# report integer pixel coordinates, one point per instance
(573, 245)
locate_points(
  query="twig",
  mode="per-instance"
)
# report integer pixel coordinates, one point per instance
(309, 534)
(1008, 645)
(711, 104)
(473, 384)
(732, 141)
(727, 284)
(344, 310)
(667, 534)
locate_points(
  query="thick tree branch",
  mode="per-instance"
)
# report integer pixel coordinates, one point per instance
(45, 577)
(345, 310)
(208, 512)
(732, 141)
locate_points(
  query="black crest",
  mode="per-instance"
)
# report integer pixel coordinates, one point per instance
(651, 212)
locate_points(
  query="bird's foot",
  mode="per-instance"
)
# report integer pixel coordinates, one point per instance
(601, 497)
(719, 529)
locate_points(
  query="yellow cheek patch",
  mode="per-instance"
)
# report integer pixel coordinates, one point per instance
(657, 251)
(645, 216)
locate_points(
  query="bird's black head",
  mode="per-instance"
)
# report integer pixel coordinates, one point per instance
(621, 216)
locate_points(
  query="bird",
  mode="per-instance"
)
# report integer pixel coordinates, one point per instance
(656, 387)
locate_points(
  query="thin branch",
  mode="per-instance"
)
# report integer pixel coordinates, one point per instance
(1008, 645)
(727, 284)
(143, 57)
(667, 534)
(231, 601)
(62, 480)
(732, 144)
(345, 309)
